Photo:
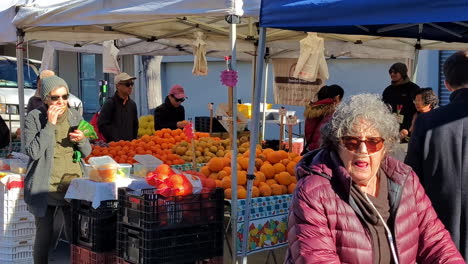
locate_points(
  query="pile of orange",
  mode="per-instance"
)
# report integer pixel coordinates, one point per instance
(274, 173)
(159, 145)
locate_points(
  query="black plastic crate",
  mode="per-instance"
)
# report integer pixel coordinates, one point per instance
(174, 246)
(148, 210)
(95, 229)
(202, 124)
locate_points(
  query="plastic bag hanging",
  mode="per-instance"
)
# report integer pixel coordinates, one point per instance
(109, 57)
(311, 63)
(200, 66)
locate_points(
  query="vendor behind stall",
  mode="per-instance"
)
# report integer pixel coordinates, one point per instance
(171, 114)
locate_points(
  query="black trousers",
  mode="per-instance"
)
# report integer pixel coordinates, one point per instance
(45, 238)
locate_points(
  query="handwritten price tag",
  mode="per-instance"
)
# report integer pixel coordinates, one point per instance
(291, 120)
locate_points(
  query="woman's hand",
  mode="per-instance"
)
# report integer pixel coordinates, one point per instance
(403, 133)
(76, 136)
(181, 124)
(53, 112)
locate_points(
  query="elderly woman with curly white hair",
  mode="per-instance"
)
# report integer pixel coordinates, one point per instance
(355, 204)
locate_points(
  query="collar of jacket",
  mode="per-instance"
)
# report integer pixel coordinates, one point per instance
(328, 165)
(319, 110)
(118, 99)
(459, 95)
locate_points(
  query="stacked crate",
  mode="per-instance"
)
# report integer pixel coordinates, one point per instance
(94, 232)
(17, 226)
(178, 229)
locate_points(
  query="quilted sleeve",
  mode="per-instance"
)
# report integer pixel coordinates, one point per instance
(310, 239)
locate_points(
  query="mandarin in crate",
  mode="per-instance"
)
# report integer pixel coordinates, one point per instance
(255, 191)
(276, 189)
(241, 193)
(268, 170)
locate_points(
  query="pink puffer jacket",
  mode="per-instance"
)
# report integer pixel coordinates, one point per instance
(324, 228)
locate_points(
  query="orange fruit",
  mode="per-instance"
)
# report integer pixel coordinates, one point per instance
(274, 157)
(259, 177)
(279, 167)
(226, 182)
(283, 178)
(291, 188)
(268, 170)
(271, 182)
(276, 189)
(265, 190)
(255, 191)
(291, 167)
(227, 193)
(241, 193)
(241, 177)
(216, 164)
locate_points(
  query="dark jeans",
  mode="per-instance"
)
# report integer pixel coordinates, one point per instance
(45, 229)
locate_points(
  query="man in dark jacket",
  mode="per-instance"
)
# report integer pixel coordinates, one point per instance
(400, 94)
(171, 114)
(118, 119)
(438, 152)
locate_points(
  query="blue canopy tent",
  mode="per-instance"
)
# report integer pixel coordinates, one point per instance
(439, 20)
(445, 20)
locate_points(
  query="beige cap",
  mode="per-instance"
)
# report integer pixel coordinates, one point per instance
(123, 76)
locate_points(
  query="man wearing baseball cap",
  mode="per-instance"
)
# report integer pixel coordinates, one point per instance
(171, 114)
(118, 119)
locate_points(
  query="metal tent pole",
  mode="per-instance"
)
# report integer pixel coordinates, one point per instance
(265, 96)
(233, 39)
(253, 138)
(20, 75)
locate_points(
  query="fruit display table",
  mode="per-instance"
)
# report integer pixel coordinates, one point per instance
(268, 223)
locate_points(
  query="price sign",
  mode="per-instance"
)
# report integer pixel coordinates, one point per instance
(282, 111)
(291, 120)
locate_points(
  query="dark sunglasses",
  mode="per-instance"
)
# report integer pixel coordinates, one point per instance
(57, 97)
(177, 99)
(373, 144)
(128, 84)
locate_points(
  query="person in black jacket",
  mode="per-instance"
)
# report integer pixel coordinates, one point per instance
(171, 114)
(399, 95)
(4, 133)
(438, 152)
(118, 119)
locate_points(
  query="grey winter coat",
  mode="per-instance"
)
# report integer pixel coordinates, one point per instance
(40, 141)
(438, 153)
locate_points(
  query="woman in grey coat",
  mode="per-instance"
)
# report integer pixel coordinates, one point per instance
(51, 141)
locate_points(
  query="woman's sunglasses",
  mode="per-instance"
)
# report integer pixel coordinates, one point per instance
(373, 144)
(57, 97)
(177, 99)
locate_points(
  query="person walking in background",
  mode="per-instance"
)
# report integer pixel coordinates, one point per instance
(171, 114)
(438, 152)
(36, 101)
(399, 95)
(118, 119)
(51, 139)
(424, 100)
(319, 112)
(355, 204)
